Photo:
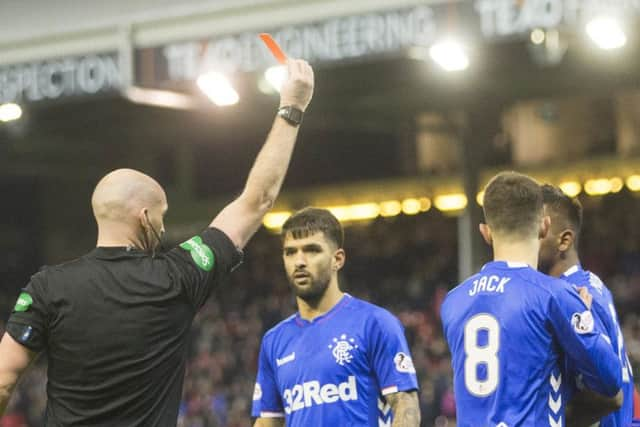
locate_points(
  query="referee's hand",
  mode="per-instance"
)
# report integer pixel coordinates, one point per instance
(298, 88)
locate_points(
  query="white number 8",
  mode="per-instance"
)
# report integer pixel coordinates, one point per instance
(476, 355)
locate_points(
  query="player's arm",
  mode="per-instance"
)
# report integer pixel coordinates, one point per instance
(14, 360)
(580, 336)
(242, 217)
(588, 407)
(269, 422)
(405, 407)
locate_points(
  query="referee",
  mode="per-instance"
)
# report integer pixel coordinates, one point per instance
(115, 322)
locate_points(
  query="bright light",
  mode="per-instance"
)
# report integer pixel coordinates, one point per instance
(606, 32)
(616, 184)
(160, 98)
(570, 188)
(597, 187)
(451, 202)
(10, 112)
(218, 89)
(537, 36)
(633, 182)
(363, 211)
(411, 206)
(276, 76)
(390, 208)
(275, 220)
(357, 212)
(425, 204)
(480, 198)
(450, 55)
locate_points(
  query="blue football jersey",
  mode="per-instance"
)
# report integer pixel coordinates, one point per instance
(604, 310)
(334, 370)
(508, 328)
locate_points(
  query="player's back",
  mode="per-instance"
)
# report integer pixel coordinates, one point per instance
(504, 354)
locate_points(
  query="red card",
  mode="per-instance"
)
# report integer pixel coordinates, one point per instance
(274, 48)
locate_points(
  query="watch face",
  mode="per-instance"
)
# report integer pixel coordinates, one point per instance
(291, 114)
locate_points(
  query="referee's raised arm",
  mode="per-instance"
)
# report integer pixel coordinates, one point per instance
(242, 217)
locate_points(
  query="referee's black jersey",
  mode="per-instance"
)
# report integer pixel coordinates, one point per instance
(115, 325)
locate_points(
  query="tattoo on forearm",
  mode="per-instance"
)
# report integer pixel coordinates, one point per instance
(405, 408)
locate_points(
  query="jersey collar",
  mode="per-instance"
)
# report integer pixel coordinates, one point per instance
(506, 264)
(572, 270)
(346, 298)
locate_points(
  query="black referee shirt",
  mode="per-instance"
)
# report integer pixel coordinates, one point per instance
(115, 325)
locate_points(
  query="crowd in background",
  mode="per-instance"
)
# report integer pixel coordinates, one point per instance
(405, 263)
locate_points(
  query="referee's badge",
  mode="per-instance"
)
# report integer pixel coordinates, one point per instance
(201, 253)
(24, 302)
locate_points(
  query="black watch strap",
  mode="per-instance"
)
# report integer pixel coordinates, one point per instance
(291, 114)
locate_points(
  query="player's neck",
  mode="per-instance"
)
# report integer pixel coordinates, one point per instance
(525, 251)
(310, 310)
(569, 260)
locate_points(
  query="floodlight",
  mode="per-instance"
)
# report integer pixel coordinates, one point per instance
(606, 32)
(10, 112)
(218, 89)
(450, 55)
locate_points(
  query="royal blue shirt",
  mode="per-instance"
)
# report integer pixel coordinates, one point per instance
(334, 370)
(604, 310)
(509, 328)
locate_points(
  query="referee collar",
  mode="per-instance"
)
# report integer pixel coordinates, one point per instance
(114, 252)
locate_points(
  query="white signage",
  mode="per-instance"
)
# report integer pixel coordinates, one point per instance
(332, 40)
(500, 18)
(85, 75)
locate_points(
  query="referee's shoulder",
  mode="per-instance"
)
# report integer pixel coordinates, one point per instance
(48, 271)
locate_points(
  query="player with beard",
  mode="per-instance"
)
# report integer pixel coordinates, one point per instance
(559, 258)
(339, 360)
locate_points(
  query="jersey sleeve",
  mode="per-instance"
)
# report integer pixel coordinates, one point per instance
(267, 402)
(390, 356)
(203, 262)
(580, 334)
(29, 321)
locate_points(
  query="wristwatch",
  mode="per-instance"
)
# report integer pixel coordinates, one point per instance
(291, 114)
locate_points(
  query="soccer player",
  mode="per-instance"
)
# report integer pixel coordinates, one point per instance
(339, 361)
(559, 258)
(509, 325)
(115, 322)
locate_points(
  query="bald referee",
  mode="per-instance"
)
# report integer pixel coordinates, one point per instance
(115, 322)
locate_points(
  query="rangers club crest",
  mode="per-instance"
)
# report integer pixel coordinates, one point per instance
(342, 348)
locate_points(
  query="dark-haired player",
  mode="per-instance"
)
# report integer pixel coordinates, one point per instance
(339, 361)
(509, 326)
(559, 258)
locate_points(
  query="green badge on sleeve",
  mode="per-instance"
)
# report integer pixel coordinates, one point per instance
(201, 253)
(24, 302)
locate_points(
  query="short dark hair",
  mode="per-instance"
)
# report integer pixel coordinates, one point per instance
(310, 220)
(566, 211)
(513, 204)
